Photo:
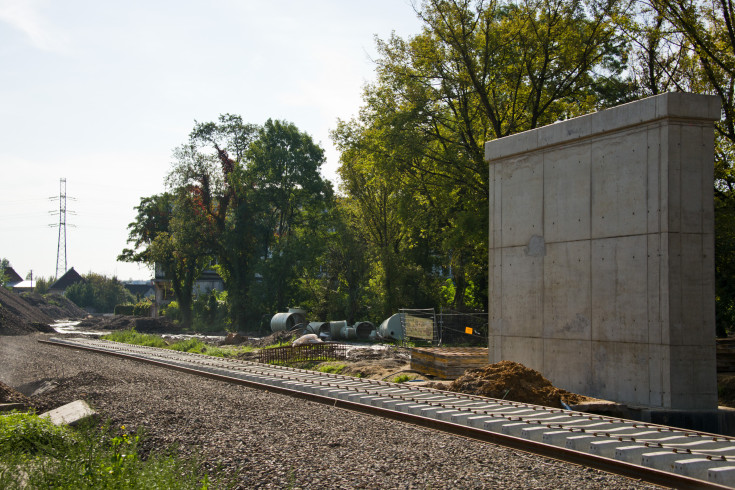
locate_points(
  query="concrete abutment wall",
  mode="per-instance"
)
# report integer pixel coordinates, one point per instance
(601, 259)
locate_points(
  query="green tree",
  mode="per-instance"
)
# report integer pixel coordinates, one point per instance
(99, 293)
(4, 264)
(478, 71)
(223, 195)
(292, 200)
(687, 45)
(166, 234)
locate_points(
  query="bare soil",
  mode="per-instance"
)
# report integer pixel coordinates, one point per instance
(124, 322)
(18, 317)
(9, 395)
(512, 381)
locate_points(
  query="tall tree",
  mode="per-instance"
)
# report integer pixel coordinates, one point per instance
(479, 70)
(167, 234)
(292, 199)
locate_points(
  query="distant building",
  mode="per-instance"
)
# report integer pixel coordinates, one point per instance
(141, 289)
(208, 281)
(61, 284)
(23, 286)
(12, 276)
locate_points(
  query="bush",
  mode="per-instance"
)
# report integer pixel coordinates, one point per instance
(99, 293)
(171, 311)
(189, 345)
(22, 433)
(131, 336)
(142, 308)
(43, 457)
(210, 312)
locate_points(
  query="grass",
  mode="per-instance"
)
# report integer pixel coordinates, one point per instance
(331, 367)
(131, 336)
(402, 378)
(37, 454)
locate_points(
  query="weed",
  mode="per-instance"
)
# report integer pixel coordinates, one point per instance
(402, 378)
(189, 345)
(90, 457)
(331, 367)
(131, 336)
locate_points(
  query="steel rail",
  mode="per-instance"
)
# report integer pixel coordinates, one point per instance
(630, 470)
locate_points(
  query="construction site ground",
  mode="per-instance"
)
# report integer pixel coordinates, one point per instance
(22, 315)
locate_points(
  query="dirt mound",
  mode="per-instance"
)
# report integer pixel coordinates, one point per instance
(17, 317)
(513, 381)
(376, 369)
(283, 336)
(9, 395)
(125, 322)
(54, 305)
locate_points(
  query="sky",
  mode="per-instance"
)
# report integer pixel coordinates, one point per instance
(100, 93)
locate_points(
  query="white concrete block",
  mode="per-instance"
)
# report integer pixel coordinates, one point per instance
(624, 183)
(619, 171)
(521, 200)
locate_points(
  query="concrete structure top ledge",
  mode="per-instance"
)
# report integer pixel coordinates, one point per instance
(668, 105)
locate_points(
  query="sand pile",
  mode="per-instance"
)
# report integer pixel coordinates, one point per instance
(513, 381)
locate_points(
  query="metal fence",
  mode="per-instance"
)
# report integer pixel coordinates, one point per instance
(419, 325)
(463, 328)
(448, 327)
(310, 352)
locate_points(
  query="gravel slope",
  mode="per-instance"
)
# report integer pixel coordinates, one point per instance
(267, 440)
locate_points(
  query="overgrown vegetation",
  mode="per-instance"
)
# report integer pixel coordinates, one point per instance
(402, 378)
(37, 454)
(131, 336)
(331, 367)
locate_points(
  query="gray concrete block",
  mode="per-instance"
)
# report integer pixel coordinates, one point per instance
(601, 230)
(722, 476)
(70, 414)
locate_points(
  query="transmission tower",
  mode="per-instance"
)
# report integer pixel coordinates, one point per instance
(61, 247)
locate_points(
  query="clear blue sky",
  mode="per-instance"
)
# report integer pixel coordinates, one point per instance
(100, 92)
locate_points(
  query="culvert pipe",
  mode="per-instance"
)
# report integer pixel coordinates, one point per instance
(391, 328)
(335, 329)
(286, 321)
(320, 329)
(363, 330)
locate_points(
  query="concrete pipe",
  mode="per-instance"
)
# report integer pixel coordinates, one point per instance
(286, 321)
(391, 328)
(335, 329)
(321, 329)
(363, 330)
(348, 333)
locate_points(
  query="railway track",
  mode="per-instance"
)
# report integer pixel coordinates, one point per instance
(658, 454)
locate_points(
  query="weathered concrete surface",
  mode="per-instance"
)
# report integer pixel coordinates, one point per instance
(70, 414)
(601, 256)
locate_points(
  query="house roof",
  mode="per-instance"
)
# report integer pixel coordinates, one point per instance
(13, 276)
(70, 277)
(145, 288)
(27, 284)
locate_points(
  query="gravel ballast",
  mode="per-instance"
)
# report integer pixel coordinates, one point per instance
(267, 440)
